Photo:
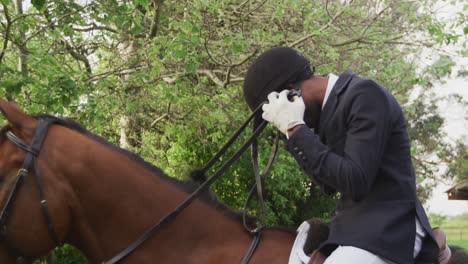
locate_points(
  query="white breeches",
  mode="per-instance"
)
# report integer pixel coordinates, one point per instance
(354, 255)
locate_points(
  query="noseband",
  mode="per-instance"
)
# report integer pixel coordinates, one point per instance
(32, 153)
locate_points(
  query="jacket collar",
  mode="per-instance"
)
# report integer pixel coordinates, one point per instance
(343, 81)
(332, 102)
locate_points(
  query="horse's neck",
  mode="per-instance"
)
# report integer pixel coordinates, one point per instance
(118, 199)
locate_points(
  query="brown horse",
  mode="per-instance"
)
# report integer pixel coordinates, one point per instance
(101, 198)
(5, 256)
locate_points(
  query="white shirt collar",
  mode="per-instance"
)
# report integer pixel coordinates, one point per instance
(332, 78)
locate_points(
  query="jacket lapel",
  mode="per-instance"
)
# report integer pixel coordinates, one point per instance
(333, 99)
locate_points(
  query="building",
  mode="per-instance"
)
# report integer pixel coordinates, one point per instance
(458, 192)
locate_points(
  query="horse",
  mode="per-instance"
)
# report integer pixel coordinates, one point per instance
(101, 198)
(5, 256)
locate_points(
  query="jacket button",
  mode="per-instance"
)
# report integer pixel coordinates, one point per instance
(300, 153)
(304, 158)
(296, 148)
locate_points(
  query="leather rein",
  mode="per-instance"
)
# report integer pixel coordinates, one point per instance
(33, 151)
(257, 129)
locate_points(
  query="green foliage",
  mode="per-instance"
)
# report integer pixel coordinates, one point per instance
(461, 243)
(459, 164)
(168, 74)
(456, 228)
(462, 217)
(442, 67)
(38, 4)
(437, 219)
(68, 255)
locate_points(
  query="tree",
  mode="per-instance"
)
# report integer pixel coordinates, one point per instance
(163, 78)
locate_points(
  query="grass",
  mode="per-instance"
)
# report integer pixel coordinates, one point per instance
(456, 228)
(460, 243)
(455, 223)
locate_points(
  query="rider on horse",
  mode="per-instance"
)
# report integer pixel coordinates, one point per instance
(349, 135)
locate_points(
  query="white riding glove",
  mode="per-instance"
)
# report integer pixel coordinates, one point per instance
(282, 113)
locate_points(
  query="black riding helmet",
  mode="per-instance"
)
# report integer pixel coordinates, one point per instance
(274, 70)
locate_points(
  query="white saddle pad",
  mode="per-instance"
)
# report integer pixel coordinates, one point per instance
(297, 252)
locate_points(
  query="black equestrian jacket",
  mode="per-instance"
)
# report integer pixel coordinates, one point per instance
(362, 151)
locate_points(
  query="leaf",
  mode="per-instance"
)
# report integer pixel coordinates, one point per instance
(38, 4)
(69, 84)
(131, 107)
(68, 31)
(190, 67)
(12, 87)
(155, 70)
(236, 47)
(137, 29)
(144, 3)
(180, 54)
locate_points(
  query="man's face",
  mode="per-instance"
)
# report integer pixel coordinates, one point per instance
(312, 114)
(313, 108)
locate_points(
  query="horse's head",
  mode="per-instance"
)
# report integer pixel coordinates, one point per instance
(24, 225)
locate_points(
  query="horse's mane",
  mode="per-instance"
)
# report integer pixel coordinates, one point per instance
(188, 186)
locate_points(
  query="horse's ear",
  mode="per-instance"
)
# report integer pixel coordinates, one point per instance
(15, 116)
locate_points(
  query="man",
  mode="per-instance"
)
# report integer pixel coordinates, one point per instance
(359, 148)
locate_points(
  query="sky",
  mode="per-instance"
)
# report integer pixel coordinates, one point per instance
(456, 117)
(456, 127)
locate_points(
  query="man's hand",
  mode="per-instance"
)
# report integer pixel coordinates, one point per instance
(282, 113)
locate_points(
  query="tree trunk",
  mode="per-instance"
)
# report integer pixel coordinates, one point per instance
(128, 50)
(124, 127)
(23, 50)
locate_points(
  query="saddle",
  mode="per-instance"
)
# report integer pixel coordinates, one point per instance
(318, 232)
(444, 250)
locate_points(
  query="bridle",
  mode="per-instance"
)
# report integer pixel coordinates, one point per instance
(32, 153)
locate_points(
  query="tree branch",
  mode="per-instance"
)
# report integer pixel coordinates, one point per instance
(241, 6)
(326, 9)
(51, 24)
(116, 71)
(156, 18)
(76, 55)
(255, 9)
(6, 34)
(23, 16)
(362, 35)
(306, 37)
(205, 45)
(212, 76)
(228, 74)
(95, 27)
(159, 119)
(23, 49)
